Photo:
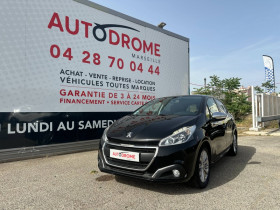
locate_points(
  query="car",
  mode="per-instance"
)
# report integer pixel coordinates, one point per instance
(169, 139)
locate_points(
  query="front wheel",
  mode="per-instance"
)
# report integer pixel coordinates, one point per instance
(202, 168)
(234, 146)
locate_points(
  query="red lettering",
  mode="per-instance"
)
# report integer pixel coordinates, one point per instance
(133, 44)
(87, 25)
(157, 50)
(148, 48)
(111, 41)
(83, 94)
(125, 41)
(52, 22)
(70, 93)
(68, 27)
(114, 38)
(77, 93)
(63, 92)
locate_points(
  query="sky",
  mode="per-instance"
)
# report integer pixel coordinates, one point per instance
(227, 38)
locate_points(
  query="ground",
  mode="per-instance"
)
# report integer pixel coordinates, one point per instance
(251, 180)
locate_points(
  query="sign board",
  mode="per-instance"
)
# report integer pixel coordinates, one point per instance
(74, 67)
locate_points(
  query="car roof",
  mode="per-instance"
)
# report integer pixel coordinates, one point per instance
(201, 96)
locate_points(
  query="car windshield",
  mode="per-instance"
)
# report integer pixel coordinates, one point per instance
(183, 105)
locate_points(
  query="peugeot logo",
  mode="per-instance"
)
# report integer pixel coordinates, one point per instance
(128, 135)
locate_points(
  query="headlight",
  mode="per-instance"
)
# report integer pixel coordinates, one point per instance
(178, 137)
(104, 136)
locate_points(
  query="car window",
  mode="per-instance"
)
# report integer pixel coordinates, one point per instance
(212, 106)
(221, 106)
(151, 108)
(184, 106)
(188, 106)
(208, 116)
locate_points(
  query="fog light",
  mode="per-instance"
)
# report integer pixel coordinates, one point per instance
(176, 173)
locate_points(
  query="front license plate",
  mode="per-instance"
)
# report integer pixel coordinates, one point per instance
(124, 155)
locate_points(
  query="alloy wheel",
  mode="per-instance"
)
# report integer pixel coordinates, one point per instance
(234, 144)
(203, 166)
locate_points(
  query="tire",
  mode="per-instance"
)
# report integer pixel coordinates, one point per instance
(202, 169)
(234, 146)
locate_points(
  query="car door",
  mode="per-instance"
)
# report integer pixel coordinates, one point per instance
(216, 129)
(228, 121)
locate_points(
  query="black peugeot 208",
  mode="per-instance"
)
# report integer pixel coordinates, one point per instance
(172, 139)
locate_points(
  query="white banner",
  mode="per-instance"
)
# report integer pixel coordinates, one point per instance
(269, 71)
(60, 56)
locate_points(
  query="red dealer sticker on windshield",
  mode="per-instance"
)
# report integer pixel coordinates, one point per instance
(124, 155)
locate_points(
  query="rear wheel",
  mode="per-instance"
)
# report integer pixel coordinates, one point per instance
(202, 169)
(234, 146)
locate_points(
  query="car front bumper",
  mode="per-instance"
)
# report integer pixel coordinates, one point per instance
(169, 164)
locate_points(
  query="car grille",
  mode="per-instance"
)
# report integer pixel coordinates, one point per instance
(146, 156)
(135, 143)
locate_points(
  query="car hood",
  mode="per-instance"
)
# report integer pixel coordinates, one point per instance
(148, 128)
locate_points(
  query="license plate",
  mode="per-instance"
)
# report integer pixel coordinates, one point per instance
(124, 155)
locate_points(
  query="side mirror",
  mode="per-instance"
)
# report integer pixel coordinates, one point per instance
(219, 116)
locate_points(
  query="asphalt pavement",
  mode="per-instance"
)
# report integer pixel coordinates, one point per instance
(251, 180)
